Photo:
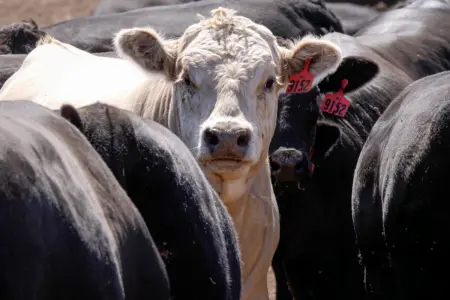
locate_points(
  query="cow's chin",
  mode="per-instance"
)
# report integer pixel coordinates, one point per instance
(228, 169)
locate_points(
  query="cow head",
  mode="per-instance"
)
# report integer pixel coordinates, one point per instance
(303, 132)
(227, 72)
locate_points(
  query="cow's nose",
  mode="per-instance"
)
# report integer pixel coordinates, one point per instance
(290, 165)
(233, 142)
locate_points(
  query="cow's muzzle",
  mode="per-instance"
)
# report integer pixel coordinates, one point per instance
(290, 165)
(225, 146)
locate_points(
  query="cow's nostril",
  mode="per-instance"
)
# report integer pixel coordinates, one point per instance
(210, 138)
(274, 166)
(243, 139)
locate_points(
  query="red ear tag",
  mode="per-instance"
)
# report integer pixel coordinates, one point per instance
(310, 158)
(301, 82)
(336, 103)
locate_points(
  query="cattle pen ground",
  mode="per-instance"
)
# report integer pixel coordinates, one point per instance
(46, 12)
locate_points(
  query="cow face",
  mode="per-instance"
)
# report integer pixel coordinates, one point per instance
(227, 73)
(302, 131)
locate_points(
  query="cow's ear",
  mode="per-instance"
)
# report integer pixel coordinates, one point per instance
(327, 136)
(71, 114)
(324, 56)
(357, 70)
(148, 49)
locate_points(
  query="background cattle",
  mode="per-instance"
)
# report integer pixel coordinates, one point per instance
(317, 243)
(399, 203)
(68, 229)
(353, 17)
(188, 221)
(285, 18)
(117, 6)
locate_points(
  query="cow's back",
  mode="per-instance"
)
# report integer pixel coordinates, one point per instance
(399, 211)
(415, 39)
(285, 18)
(66, 224)
(69, 75)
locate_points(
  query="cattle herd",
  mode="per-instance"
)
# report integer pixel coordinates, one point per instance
(177, 149)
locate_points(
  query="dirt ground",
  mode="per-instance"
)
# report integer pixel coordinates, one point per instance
(46, 12)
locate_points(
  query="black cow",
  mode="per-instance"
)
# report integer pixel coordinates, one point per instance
(399, 203)
(117, 6)
(352, 15)
(188, 221)
(285, 18)
(68, 230)
(317, 247)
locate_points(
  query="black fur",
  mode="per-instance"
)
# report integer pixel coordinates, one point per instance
(285, 18)
(317, 244)
(67, 228)
(400, 195)
(188, 221)
(20, 38)
(117, 6)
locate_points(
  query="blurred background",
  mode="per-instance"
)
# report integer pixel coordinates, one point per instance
(44, 12)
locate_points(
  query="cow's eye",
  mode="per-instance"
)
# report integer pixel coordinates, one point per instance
(269, 83)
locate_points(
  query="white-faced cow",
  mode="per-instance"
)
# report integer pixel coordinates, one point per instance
(216, 87)
(317, 242)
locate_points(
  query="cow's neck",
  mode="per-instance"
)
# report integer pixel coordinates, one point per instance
(252, 205)
(250, 200)
(156, 103)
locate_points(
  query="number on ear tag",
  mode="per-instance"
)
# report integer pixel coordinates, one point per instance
(301, 82)
(336, 103)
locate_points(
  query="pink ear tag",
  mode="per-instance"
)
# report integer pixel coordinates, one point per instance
(336, 103)
(301, 82)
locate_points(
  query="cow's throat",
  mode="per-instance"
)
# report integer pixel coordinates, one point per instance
(232, 191)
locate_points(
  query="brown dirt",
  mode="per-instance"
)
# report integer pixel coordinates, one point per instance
(46, 12)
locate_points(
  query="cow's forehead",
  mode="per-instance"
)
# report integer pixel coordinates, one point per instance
(240, 43)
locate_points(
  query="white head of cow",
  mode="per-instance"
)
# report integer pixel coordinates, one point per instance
(227, 72)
